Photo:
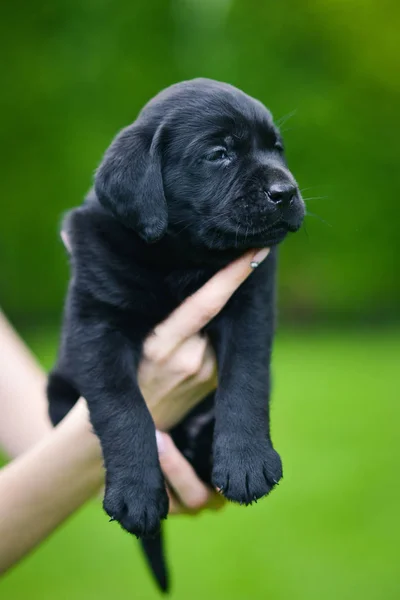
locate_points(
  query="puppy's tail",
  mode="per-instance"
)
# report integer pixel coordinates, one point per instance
(153, 549)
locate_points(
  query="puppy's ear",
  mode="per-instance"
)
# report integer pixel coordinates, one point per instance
(129, 182)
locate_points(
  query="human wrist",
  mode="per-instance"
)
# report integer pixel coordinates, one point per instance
(77, 427)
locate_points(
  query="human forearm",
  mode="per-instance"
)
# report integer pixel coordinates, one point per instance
(24, 419)
(39, 490)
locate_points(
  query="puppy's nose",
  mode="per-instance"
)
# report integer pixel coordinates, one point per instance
(281, 193)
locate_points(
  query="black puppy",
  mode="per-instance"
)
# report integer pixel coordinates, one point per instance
(196, 180)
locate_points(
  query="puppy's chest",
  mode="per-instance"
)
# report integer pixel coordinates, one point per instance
(182, 283)
(154, 295)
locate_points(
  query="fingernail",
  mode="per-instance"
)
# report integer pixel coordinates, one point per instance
(259, 257)
(65, 240)
(160, 442)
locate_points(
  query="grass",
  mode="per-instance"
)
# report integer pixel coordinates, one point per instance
(331, 530)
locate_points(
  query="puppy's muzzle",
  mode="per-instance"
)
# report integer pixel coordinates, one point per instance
(282, 194)
(285, 197)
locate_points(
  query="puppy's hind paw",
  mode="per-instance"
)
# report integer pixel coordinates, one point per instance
(246, 479)
(138, 511)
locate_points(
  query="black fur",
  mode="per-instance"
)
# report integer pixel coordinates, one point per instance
(196, 180)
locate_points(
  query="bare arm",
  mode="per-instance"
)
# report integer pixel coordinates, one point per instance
(45, 485)
(23, 406)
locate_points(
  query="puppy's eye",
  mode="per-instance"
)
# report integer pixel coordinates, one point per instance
(216, 154)
(278, 146)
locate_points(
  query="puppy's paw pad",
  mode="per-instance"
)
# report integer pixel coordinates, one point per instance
(245, 478)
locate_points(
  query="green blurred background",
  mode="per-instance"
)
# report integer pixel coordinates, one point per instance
(75, 72)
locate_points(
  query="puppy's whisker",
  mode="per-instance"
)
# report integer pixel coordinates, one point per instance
(215, 236)
(180, 221)
(183, 229)
(220, 215)
(286, 117)
(316, 198)
(287, 129)
(310, 214)
(218, 218)
(247, 231)
(205, 221)
(310, 187)
(274, 222)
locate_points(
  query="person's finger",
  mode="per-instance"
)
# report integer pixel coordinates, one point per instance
(193, 361)
(180, 475)
(197, 310)
(216, 501)
(188, 358)
(208, 369)
(175, 507)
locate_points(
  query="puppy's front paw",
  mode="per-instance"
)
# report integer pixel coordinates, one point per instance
(246, 472)
(139, 506)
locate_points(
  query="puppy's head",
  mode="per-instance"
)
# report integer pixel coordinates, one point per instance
(203, 162)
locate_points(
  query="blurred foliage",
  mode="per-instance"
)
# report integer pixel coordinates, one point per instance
(77, 71)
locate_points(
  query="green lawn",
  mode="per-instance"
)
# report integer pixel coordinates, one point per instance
(330, 531)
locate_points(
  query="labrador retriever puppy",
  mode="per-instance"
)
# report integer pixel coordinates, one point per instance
(199, 178)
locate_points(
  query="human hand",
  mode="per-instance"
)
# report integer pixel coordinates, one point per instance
(178, 367)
